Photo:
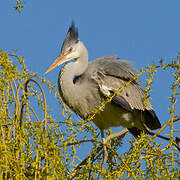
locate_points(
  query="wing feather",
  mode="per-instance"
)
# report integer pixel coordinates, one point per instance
(109, 74)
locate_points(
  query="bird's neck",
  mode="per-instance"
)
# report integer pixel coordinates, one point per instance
(68, 90)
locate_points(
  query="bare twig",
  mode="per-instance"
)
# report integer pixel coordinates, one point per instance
(149, 131)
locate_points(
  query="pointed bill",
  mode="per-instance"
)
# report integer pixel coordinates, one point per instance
(57, 62)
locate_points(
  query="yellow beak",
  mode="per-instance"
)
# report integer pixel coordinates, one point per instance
(57, 62)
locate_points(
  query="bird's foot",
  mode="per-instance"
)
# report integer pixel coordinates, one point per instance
(105, 153)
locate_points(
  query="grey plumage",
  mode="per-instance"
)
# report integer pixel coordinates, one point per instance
(84, 85)
(107, 74)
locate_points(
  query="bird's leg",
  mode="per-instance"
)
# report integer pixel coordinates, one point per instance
(105, 140)
(119, 134)
(105, 153)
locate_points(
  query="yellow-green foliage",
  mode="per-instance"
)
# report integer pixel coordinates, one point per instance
(19, 5)
(36, 146)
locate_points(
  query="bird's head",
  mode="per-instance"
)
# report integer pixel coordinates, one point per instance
(70, 48)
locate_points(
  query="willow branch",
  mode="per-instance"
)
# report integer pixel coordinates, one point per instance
(25, 98)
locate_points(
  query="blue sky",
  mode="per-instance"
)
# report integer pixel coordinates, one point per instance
(140, 31)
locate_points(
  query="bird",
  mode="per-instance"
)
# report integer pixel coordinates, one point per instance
(84, 85)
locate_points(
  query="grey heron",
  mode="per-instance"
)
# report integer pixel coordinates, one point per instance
(84, 85)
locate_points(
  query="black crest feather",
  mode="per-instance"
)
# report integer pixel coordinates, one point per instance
(71, 37)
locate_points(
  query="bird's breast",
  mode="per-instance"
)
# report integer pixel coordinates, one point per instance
(114, 116)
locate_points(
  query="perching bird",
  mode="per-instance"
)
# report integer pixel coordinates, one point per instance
(84, 85)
